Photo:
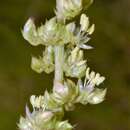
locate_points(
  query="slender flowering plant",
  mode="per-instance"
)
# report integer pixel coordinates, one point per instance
(64, 42)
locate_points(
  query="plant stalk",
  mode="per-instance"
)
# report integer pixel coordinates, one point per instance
(59, 61)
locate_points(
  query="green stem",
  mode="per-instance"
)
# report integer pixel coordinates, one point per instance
(59, 61)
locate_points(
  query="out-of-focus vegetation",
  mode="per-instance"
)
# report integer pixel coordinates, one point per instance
(111, 57)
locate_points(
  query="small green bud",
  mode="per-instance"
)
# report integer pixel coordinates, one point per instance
(45, 63)
(37, 64)
(97, 96)
(73, 90)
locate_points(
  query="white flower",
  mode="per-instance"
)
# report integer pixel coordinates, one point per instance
(91, 80)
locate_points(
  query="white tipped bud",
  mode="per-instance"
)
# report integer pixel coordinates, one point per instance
(92, 75)
(87, 73)
(84, 22)
(29, 25)
(37, 102)
(98, 79)
(74, 54)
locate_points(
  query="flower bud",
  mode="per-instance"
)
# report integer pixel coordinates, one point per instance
(74, 55)
(71, 27)
(49, 102)
(48, 31)
(30, 33)
(65, 93)
(37, 102)
(64, 125)
(37, 64)
(48, 59)
(84, 22)
(75, 66)
(91, 29)
(43, 117)
(76, 70)
(61, 90)
(54, 33)
(67, 9)
(25, 124)
(45, 63)
(97, 96)
(93, 78)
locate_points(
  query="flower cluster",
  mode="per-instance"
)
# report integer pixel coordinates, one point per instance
(48, 109)
(74, 65)
(44, 63)
(52, 33)
(64, 44)
(88, 92)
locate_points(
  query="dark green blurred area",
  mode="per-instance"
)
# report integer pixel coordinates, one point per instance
(111, 57)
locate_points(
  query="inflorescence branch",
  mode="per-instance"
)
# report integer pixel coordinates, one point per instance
(64, 44)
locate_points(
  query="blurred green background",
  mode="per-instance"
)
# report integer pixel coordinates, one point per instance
(111, 57)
